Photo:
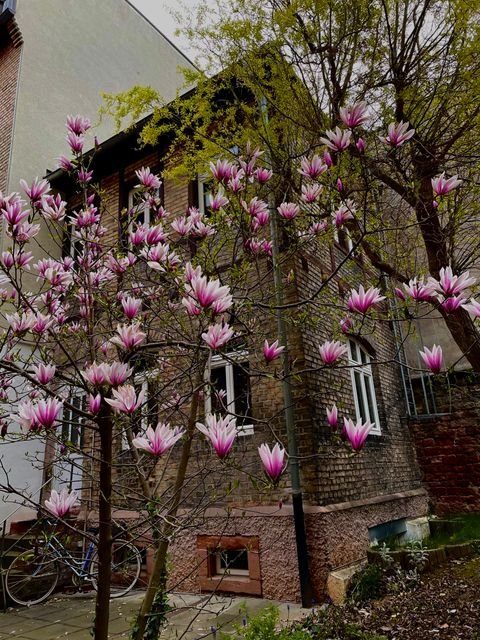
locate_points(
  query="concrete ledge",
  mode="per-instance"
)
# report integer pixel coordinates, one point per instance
(339, 580)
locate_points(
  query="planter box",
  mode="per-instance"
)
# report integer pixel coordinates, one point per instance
(463, 550)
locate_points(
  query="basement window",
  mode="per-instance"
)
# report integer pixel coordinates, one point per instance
(231, 562)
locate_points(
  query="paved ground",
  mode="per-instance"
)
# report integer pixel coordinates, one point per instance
(194, 617)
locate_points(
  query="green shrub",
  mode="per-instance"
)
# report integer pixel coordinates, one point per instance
(368, 584)
(325, 625)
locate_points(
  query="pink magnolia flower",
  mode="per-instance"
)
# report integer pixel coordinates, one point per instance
(360, 144)
(159, 440)
(44, 372)
(218, 335)
(433, 358)
(356, 433)
(327, 158)
(473, 307)
(117, 373)
(317, 227)
(7, 259)
(147, 178)
(182, 225)
(207, 294)
(263, 175)
(65, 163)
(331, 351)
(272, 351)
(337, 140)
(255, 207)
(332, 416)
(54, 208)
(14, 213)
(343, 213)
(21, 324)
(450, 285)
(125, 399)
(46, 412)
(453, 303)
(312, 168)
(362, 300)
(222, 170)
(398, 133)
(42, 323)
(339, 184)
(219, 200)
(75, 142)
(37, 189)
(26, 415)
(418, 290)
(155, 235)
(346, 324)
(221, 432)
(311, 192)
(288, 210)
(260, 220)
(273, 460)
(129, 336)
(131, 306)
(353, 115)
(78, 124)
(97, 374)
(441, 186)
(94, 403)
(60, 503)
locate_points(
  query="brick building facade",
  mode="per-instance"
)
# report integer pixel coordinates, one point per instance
(345, 497)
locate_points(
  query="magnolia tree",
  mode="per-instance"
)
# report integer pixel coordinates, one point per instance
(183, 288)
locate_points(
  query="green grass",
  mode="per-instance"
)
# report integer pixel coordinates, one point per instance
(469, 530)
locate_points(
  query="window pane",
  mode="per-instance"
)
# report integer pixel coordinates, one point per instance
(241, 382)
(218, 379)
(233, 559)
(370, 394)
(359, 394)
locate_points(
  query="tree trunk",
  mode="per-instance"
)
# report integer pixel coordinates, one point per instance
(461, 327)
(148, 623)
(102, 602)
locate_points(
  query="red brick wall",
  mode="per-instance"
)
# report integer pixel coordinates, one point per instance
(448, 451)
(9, 65)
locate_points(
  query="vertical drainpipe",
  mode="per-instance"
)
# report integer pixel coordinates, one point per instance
(294, 463)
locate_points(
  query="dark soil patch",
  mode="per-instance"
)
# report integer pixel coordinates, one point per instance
(444, 605)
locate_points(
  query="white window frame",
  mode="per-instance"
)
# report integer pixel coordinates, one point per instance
(348, 237)
(132, 206)
(216, 362)
(223, 571)
(82, 396)
(364, 369)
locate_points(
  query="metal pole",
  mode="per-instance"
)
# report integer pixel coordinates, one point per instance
(294, 463)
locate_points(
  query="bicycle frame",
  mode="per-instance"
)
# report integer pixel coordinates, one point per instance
(79, 567)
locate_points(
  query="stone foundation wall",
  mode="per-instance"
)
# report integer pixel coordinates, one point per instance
(337, 535)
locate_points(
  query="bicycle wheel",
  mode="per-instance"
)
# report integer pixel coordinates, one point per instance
(126, 566)
(32, 576)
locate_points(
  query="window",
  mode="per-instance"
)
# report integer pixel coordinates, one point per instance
(205, 193)
(73, 245)
(231, 562)
(138, 212)
(72, 423)
(229, 391)
(363, 385)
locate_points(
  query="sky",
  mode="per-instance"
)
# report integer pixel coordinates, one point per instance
(157, 11)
